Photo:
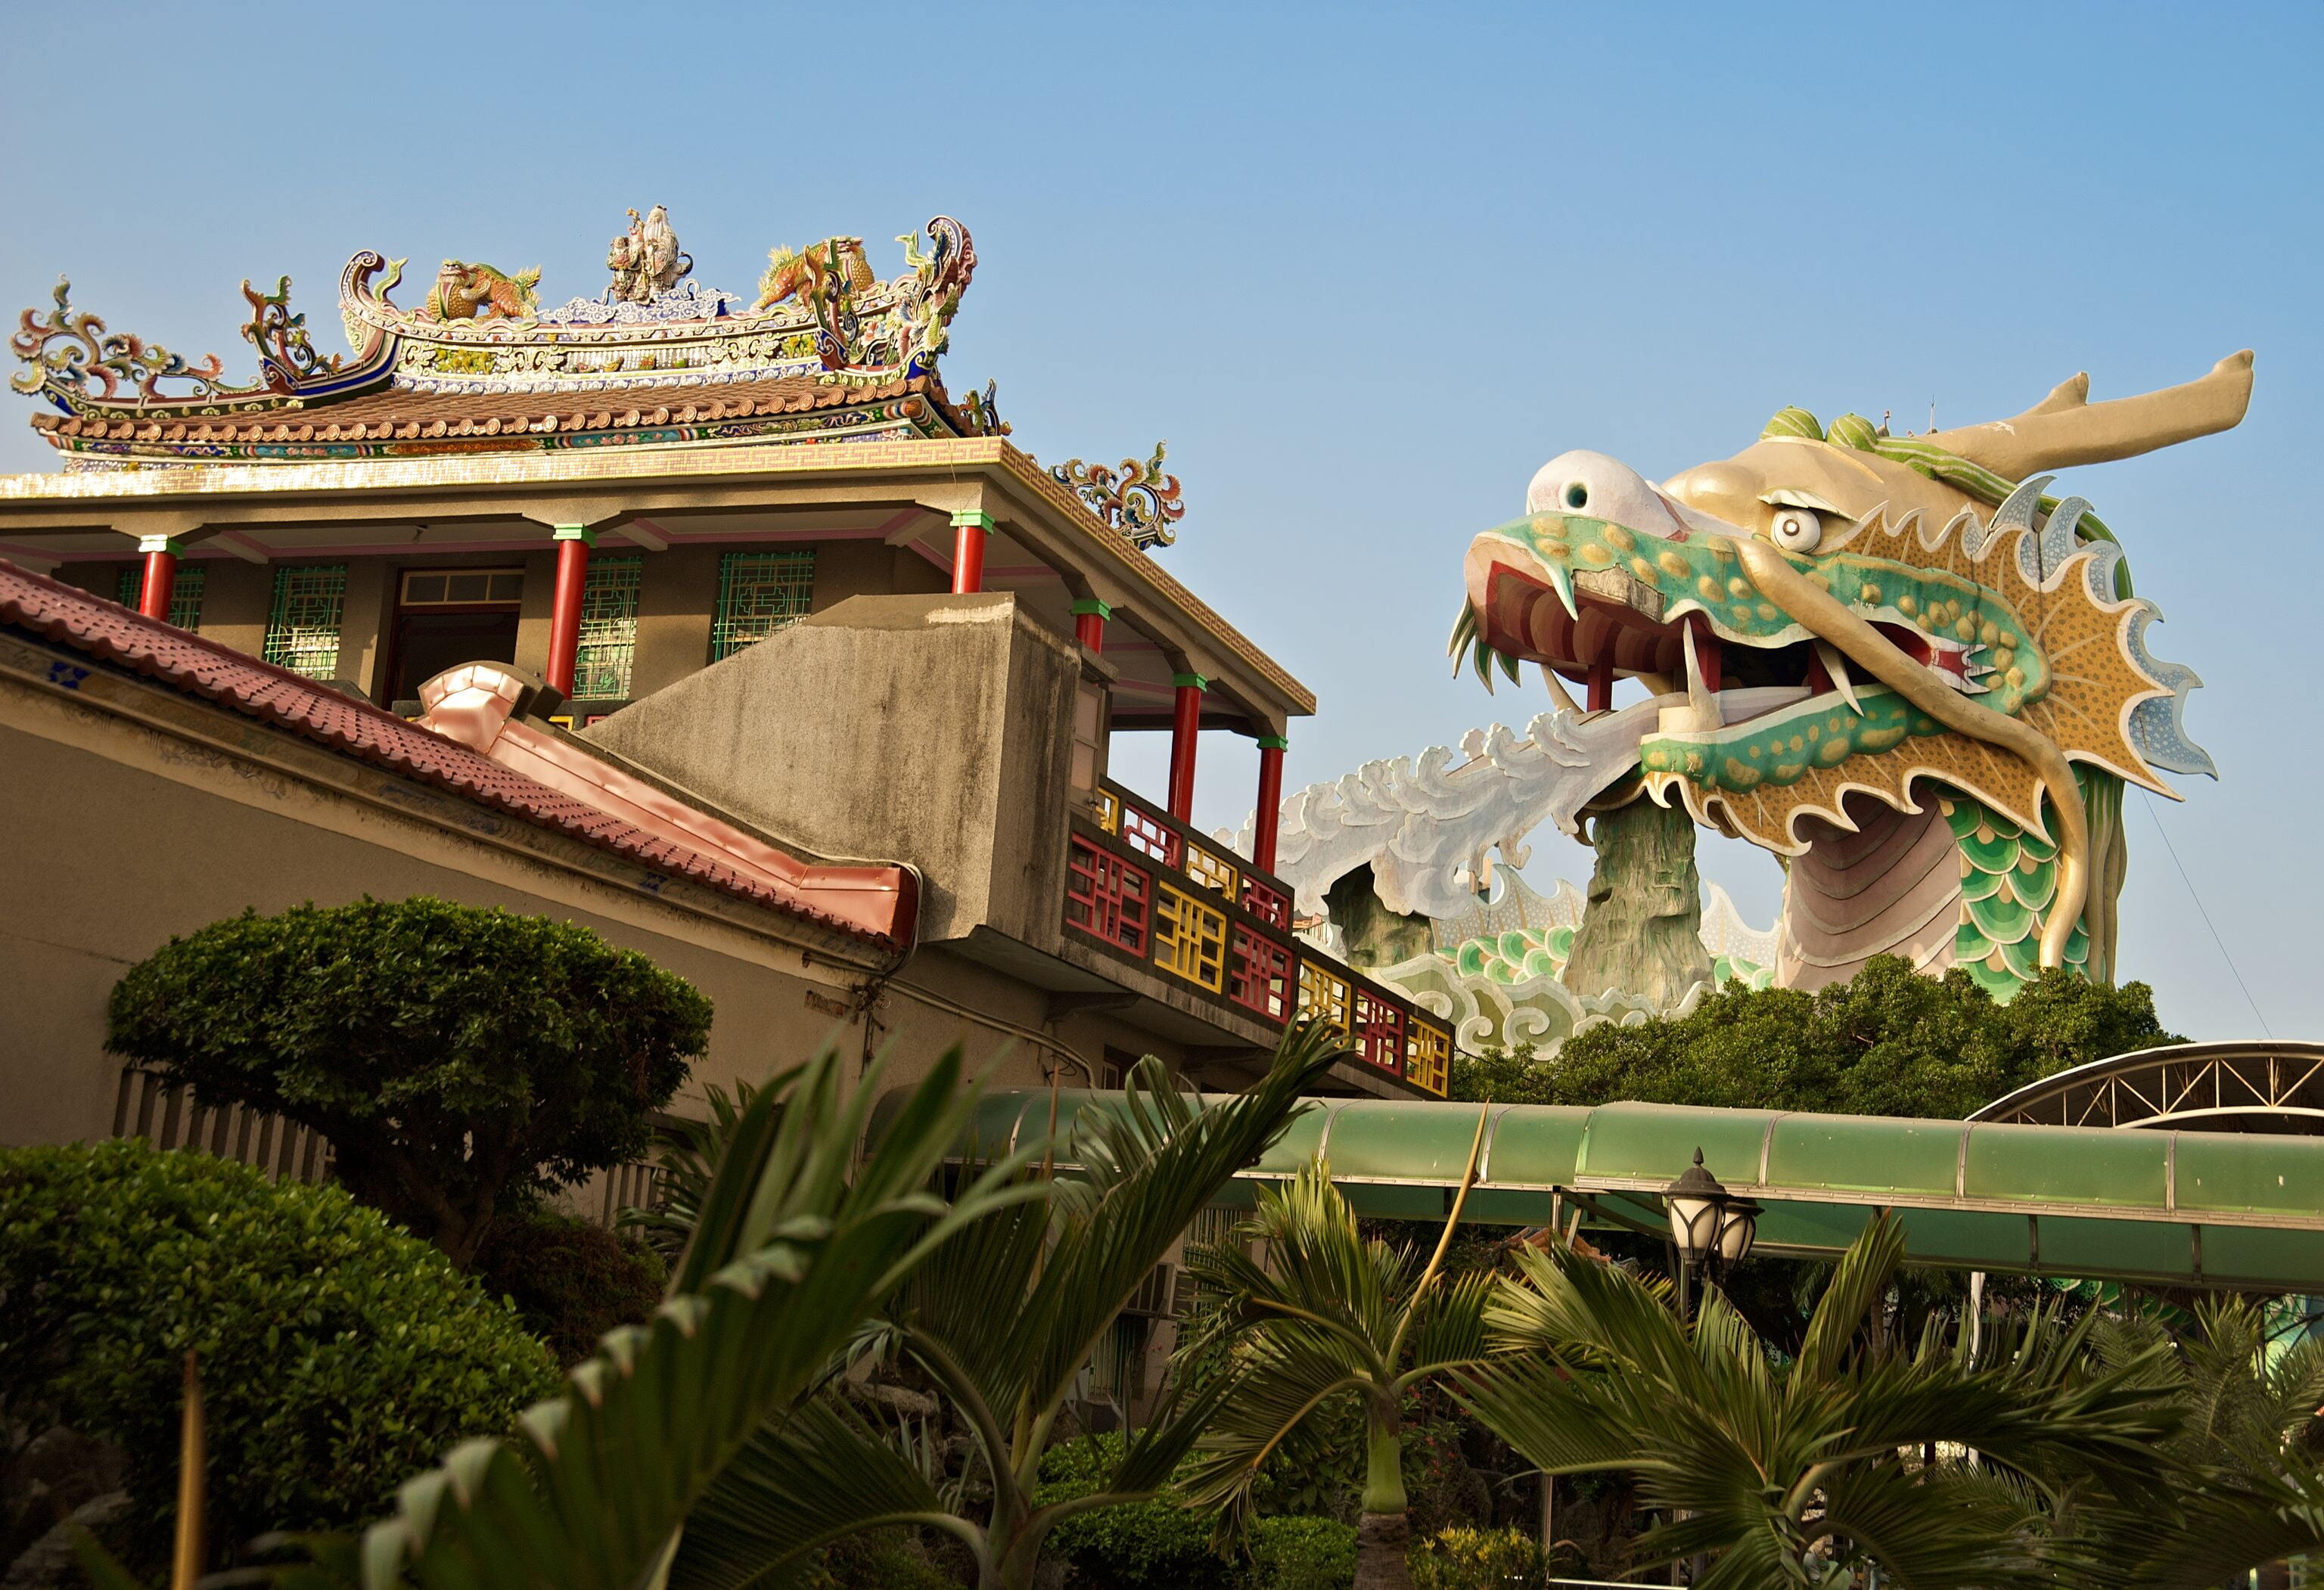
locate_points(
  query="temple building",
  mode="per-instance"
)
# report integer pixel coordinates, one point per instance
(717, 625)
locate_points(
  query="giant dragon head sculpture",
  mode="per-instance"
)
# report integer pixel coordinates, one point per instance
(1840, 628)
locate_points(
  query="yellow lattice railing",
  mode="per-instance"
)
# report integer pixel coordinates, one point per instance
(1428, 1057)
(1190, 938)
(1324, 995)
(1214, 872)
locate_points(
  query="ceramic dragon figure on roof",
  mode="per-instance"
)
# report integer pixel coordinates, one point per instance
(1893, 660)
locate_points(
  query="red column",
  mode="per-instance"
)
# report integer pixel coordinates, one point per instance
(161, 576)
(969, 530)
(1270, 815)
(1601, 682)
(573, 544)
(1186, 723)
(1089, 624)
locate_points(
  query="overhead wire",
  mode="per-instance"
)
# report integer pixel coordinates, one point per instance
(2173, 851)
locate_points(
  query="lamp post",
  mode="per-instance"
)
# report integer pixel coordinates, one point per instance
(1712, 1227)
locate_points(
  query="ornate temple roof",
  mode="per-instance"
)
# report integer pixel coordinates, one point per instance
(827, 351)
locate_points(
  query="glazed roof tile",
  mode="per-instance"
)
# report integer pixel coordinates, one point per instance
(115, 635)
(399, 414)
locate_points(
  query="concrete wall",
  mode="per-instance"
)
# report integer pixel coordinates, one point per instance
(933, 730)
(126, 835)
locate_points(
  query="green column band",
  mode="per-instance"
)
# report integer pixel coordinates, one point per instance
(1274, 743)
(581, 533)
(973, 516)
(168, 544)
(1184, 680)
(1093, 605)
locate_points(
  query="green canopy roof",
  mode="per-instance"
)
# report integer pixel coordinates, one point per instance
(2184, 1208)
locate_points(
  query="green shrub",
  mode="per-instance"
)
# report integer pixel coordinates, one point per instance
(339, 1355)
(882, 1559)
(459, 1060)
(1302, 1554)
(1136, 1546)
(1464, 1558)
(571, 1281)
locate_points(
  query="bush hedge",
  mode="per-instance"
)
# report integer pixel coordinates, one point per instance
(1154, 1545)
(339, 1355)
(571, 1281)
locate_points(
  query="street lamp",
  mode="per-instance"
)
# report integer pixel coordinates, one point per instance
(1712, 1227)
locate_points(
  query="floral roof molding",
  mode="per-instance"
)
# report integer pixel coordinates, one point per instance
(1139, 500)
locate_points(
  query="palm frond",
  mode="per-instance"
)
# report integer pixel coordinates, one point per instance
(589, 1493)
(824, 1472)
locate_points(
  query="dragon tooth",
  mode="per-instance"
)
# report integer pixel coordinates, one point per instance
(1835, 664)
(1563, 584)
(1557, 692)
(1702, 701)
(1463, 627)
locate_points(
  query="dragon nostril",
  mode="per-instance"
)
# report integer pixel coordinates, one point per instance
(1577, 496)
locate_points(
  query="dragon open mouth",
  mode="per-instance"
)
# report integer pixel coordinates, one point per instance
(1745, 693)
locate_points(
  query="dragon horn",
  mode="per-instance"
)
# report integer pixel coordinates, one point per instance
(2066, 427)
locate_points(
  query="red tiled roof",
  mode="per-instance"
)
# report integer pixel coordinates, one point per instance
(187, 663)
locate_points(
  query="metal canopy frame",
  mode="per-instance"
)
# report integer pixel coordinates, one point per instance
(2264, 1086)
(2166, 1207)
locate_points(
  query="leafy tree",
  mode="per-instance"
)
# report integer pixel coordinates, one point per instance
(454, 1057)
(1854, 1455)
(337, 1354)
(1888, 1042)
(1330, 1319)
(1003, 1321)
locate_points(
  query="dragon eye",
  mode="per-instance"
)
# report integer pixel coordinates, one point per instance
(1795, 530)
(1577, 496)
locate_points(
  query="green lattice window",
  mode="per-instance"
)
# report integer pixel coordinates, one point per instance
(185, 594)
(760, 593)
(609, 628)
(302, 631)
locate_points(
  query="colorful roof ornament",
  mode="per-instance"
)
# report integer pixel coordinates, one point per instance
(829, 351)
(1139, 500)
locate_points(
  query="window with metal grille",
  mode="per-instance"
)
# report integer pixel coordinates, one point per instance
(1107, 897)
(1379, 1031)
(185, 594)
(1142, 830)
(303, 629)
(1190, 939)
(1428, 1057)
(760, 593)
(1324, 995)
(609, 628)
(1266, 904)
(1260, 975)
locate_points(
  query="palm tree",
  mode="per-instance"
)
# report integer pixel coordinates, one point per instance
(1937, 1469)
(1329, 1317)
(1002, 1319)
(2248, 1488)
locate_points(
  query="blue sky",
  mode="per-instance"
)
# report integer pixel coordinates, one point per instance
(1366, 269)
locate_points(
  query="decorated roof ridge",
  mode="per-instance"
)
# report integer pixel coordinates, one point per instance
(821, 312)
(112, 634)
(393, 422)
